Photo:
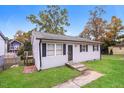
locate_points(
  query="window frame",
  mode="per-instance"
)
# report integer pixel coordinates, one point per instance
(84, 48)
(59, 49)
(47, 50)
(96, 47)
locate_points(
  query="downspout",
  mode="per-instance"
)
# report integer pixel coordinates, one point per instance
(40, 54)
(100, 53)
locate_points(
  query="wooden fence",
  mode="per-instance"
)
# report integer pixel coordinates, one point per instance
(8, 60)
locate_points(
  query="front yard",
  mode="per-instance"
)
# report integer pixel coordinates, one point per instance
(113, 69)
(47, 78)
(111, 66)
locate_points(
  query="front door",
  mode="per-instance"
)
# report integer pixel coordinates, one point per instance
(70, 52)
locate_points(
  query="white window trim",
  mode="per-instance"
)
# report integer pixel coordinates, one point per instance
(95, 47)
(47, 49)
(85, 48)
(56, 49)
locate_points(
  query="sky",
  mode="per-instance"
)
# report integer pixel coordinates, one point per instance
(13, 18)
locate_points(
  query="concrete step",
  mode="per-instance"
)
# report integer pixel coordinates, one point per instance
(82, 69)
(78, 65)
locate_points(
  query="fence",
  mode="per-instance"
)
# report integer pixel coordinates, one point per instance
(8, 60)
(1, 62)
(28, 58)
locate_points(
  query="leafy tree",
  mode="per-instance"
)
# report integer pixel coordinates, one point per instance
(98, 29)
(85, 33)
(51, 20)
(120, 36)
(22, 36)
(25, 38)
(95, 27)
(114, 28)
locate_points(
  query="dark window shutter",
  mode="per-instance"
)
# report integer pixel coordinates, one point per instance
(44, 50)
(93, 47)
(64, 49)
(80, 48)
(97, 47)
(86, 48)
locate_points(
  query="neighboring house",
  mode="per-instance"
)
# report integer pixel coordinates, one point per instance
(50, 50)
(14, 46)
(3, 44)
(117, 49)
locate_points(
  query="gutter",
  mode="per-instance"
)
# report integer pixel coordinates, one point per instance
(71, 40)
(40, 54)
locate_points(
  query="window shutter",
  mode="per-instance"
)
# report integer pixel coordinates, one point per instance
(44, 50)
(97, 47)
(80, 48)
(86, 48)
(64, 49)
(93, 47)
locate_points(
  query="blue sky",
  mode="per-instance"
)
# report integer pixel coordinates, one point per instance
(13, 18)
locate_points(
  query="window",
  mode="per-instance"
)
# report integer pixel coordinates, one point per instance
(59, 49)
(43, 49)
(84, 48)
(64, 49)
(80, 48)
(51, 50)
(95, 47)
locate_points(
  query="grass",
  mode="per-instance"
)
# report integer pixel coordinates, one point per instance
(113, 69)
(14, 78)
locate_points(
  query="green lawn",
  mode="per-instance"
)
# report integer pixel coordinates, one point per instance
(113, 69)
(46, 78)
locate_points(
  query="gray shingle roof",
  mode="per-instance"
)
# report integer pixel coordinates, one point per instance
(48, 36)
(1, 34)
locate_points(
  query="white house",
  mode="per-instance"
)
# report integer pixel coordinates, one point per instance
(3, 44)
(50, 50)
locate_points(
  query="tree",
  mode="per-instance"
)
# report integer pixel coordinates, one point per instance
(51, 20)
(18, 33)
(85, 34)
(114, 28)
(95, 27)
(25, 38)
(22, 36)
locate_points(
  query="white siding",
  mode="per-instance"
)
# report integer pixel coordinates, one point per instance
(35, 46)
(85, 56)
(59, 60)
(54, 61)
(2, 46)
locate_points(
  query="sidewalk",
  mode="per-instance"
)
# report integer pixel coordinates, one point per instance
(81, 80)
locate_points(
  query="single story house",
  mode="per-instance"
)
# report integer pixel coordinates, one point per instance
(117, 49)
(3, 44)
(51, 50)
(14, 46)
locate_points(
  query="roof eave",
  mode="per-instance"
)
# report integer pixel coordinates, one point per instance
(70, 40)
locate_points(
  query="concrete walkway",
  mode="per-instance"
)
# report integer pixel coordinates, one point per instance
(81, 80)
